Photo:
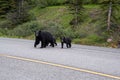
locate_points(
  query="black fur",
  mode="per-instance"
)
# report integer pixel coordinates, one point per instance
(54, 41)
(67, 41)
(44, 37)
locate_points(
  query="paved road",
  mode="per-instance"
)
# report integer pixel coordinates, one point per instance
(98, 59)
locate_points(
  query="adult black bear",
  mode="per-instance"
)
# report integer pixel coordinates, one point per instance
(44, 37)
(67, 41)
(54, 41)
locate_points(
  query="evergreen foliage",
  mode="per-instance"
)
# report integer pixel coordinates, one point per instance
(6, 6)
(76, 8)
(110, 17)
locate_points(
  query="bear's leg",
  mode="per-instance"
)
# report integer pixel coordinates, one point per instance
(54, 40)
(55, 43)
(47, 43)
(52, 44)
(62, 44)
(36, 43)
(42, 44)
(67, 45)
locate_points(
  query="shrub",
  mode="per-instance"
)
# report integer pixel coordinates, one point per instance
(25, 29)
(1, 34)
(3, 31)
(95, 38)
(84, 41)
(69, 33)
(57, 30)
(54, 28)
(5, 24)
(91, 40)
(80, 34)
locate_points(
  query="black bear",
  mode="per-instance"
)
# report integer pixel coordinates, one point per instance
(44, 37)
(54, 41)
(65, 40)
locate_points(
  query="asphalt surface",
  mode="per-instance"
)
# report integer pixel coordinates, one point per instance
(11, 69)
(99, 59)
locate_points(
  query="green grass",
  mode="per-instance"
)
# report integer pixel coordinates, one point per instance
(58, 14)
(92, 6)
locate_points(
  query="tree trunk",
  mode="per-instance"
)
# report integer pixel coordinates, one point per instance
(76, 16)
(109, 16)
(19, 6)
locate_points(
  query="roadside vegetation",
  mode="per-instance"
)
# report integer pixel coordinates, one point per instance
(86, 23)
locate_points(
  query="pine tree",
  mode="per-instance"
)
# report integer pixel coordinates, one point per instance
(110, 11)
(76, 8)
(94, 1)
(6, 6)
(3, 7)
(20, 14)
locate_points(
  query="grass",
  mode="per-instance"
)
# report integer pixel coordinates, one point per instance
(92, 6)
(58, 14)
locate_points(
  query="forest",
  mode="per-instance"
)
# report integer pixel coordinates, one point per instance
(87, 22)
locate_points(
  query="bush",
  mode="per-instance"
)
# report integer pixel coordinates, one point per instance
(5, 24)
(25, 29)
(18, 18)
(95, 38)
(80, 34)
(69, 33)
(1, 34)
(84, 41)
(91, 40)
(45, 3)
(3, 31)
(58, 30)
